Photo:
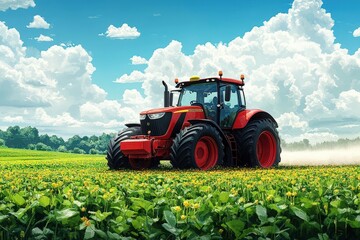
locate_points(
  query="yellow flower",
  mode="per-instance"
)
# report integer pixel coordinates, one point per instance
(183, 217)
(177, 209)
(288, 194)
(269, 198)
(83, 209)
(196, 206)
(186, 203)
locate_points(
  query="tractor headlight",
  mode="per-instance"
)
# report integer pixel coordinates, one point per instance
(156, 115)
(142, 116)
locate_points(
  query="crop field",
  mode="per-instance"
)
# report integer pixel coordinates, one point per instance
(46, 195)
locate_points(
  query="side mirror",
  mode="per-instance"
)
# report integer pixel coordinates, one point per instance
(227, 93)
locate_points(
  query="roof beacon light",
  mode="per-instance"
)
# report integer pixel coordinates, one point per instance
(220, 73)
(242, 77)
(176, 80)
(194, 78)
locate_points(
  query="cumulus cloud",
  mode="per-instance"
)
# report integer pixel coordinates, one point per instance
(15, 4)
(53, 91)
(123, 32)
(43, 38)
(38, 22)
(135, 76)
(356, 32)
(13, 120)
(294, 70)
(136, 60)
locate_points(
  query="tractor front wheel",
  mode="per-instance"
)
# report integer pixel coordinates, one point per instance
(116, 159)
(198, 146)
(259, 144)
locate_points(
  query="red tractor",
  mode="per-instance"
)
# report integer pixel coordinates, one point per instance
(209, 126)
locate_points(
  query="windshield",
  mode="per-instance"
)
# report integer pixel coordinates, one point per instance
(204, 93)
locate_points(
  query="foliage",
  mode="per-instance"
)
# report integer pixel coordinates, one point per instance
(2, 142)
(29, 138)
(42, 147)
(68, 196)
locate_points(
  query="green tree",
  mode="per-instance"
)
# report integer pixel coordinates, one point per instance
(56, 142)
(78, 150)
(42, 147)
(93, 151)
(2, 142)
(62, 149)
(31, 146)
(29, 135)
(13, 137)
(73, 142)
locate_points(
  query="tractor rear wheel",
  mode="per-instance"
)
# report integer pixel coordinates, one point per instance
(116, 159)
(259, 144)
(198, 146)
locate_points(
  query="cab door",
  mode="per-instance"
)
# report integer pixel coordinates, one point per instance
(230, 108)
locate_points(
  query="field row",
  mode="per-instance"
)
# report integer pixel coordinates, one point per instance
(81, 199)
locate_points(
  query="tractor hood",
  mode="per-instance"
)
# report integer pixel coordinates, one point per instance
(173, 110)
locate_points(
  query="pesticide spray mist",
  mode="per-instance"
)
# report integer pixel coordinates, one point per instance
(340, 156)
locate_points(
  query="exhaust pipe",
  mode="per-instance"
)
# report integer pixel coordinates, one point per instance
(166, 95)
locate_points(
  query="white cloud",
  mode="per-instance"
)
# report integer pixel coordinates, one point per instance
(133, 98)
(38, 22)
(349, 103)
(294, 70)
(55, 91)
(356, 32)
(136, 60)
(13, 120)
(43, 38)
(123, 32)
(135, 76)
(15, 4)
(291, 120)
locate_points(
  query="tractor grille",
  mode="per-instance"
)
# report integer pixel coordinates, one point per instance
(158, 127)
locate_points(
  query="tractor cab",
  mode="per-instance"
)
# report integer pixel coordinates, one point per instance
(221, 99)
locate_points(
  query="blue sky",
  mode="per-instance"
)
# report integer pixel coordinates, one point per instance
(76, 70)
(159, 22)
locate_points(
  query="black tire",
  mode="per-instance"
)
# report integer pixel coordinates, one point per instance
(258, 134)
(115, 157)
(197, 137)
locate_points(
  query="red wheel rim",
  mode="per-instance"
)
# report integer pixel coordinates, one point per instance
(138, 163)
(206, 153)
(266, 149)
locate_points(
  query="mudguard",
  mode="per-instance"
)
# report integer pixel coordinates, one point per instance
(243, 117)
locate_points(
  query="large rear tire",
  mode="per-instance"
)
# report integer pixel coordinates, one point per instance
(116, 159)
(259, 144)
(199, 146)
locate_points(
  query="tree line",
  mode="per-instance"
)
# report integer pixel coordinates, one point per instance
(29, 138)
(305, 144)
